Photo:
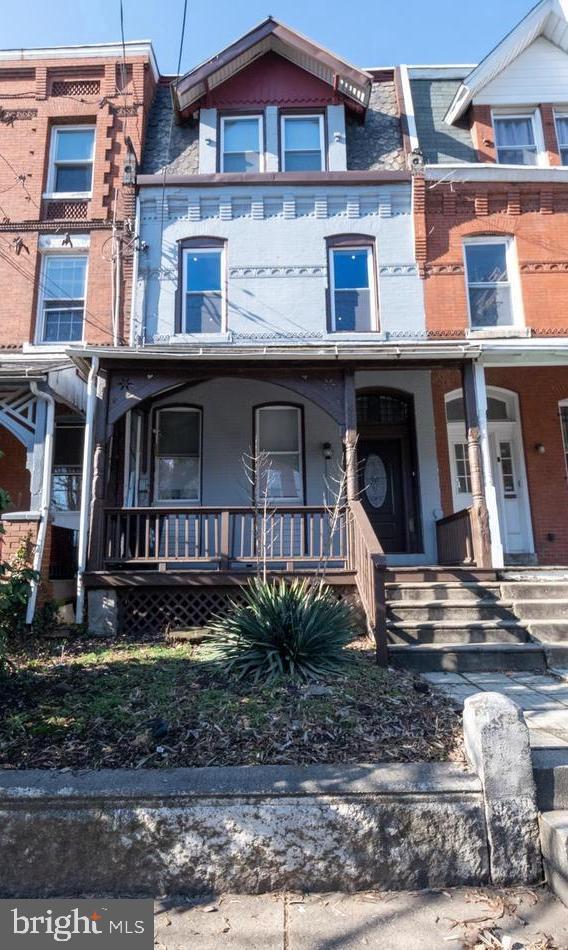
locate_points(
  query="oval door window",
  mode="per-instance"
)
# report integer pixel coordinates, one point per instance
(375, 481)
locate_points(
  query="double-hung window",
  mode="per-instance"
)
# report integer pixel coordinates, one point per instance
(563, 410)
(490, 293)
(241, 143)
(62, 297)
(203, 289)
(67, 465)
(515, 139)
(302, 143)
(177, 473)
(562, 135)
(278, 454)
(71, 165)
(352, 289)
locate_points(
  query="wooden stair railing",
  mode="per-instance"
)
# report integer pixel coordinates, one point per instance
(454, 537)
(367, 559)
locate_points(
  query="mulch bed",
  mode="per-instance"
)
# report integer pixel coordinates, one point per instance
(84, 704)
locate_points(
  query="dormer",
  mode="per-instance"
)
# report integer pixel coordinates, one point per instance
(516, 100)
(271, 102)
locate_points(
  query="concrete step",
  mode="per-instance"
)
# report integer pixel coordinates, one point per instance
(542, 609)
(554, 844)
(548, 631)
(436, 575)
(472, 657)
(529, 590)
(455, 631)
(550, 767)
(443, 591)
(441, 610)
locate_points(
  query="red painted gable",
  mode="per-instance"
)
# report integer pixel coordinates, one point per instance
(272, 80)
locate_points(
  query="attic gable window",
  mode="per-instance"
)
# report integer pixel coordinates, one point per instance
(562, 134)
(515, 139)
(241, 143)
(302, 143)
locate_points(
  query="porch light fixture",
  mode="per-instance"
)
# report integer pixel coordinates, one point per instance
(539, 448)
(327, 451)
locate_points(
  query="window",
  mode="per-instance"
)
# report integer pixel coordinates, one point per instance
(463, 472)
(563, 409)
(352, 288)
(67, 465)
(204, 296)
(515, 139)
(278, 452)
(241, 143)
(71, 169)
(562, 135)
(178, 455)
(507, 469)
(62, 297)
(497, 410)
(302, 143)
(488, 283)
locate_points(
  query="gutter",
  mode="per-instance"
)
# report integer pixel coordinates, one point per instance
(45, 495)
(86, 478)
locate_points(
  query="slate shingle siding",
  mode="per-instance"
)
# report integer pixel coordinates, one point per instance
(178, 153)
(378, 142)
(439, 141)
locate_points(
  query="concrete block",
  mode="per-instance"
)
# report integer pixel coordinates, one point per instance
(102, 613)
(497, 744)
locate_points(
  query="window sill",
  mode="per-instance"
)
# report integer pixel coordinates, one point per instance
(346, 336)
(50, 347)
(221, 337)
(21, 516)
(67, 195)
(498, 332)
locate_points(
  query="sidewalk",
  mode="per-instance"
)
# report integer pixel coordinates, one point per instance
(542, 696)
(428, 920)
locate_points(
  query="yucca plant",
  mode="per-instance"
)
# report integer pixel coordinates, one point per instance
(296, 629)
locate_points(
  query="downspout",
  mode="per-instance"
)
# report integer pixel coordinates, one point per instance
(45, 495)
(86, 479)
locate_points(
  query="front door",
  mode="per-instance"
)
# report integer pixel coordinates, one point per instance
(381, 490)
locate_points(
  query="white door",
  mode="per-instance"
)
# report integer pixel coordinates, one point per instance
(507, 462)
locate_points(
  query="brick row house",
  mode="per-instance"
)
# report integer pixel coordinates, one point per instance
(337, 273)
(72, 121)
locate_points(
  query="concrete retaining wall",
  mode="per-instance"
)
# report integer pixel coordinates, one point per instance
(240, 829)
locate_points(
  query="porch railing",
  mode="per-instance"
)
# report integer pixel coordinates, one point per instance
(455, 539)
(224, 537)
(367, 559)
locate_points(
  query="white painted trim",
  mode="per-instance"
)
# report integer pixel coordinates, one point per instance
(259, 116)
(409, 107)
(373, 287)
(50, 190)
(513, 276)
(92, 50)
(285, 117)
(48, 442)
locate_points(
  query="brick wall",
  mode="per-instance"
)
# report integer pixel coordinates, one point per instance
(33, 99)
(14, 477)
(539, 389)
(535, 215)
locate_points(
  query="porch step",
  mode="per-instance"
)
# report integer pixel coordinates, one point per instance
(554, 844)
(435, 575)
(548, 631)
(442, 591)
(464, 611)
(473, 657)
(531, 590)
(456, 631)
(550, 768)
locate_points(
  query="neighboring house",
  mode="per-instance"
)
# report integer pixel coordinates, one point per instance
(492, 226)
(71, 127)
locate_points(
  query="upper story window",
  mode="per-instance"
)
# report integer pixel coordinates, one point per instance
(177, 472)
(490, 273)
(241, 143)
(62, 297)
(516, 139)
(352, 288)
(302, 143)
(71, 162)
(279, 454)
(562, 135)
(204, 294)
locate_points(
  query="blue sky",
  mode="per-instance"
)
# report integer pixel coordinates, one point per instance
(369, 32)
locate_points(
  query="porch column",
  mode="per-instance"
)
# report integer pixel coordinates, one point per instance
(485, 521)
(350, 436)
(97, 488)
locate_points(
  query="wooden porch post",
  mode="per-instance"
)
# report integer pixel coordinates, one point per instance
(350, 436)
(480, 528)
(97, 527)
